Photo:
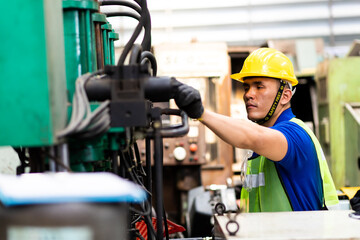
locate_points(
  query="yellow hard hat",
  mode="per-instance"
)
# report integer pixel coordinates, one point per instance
(267, 62)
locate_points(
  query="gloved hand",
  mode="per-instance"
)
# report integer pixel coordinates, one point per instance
(188, 99)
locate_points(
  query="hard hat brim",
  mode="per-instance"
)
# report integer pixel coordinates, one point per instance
(240, 77)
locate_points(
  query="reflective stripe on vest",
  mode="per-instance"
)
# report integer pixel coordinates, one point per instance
(254, 180)
(271, 196)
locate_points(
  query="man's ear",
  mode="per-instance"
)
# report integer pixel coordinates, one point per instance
(286, 96)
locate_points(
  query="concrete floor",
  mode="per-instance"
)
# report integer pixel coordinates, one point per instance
(9, 160)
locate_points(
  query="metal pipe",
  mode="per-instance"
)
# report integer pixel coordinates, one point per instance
(52, 162)
(89, 41)
(99, 46)
(63, 151)
(115, 162)
(148, 179)
(156, 89)
(158, 164)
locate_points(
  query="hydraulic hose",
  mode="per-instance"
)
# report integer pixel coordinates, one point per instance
(148, 55)
(123, 14)
(135, 56)
(135, 7)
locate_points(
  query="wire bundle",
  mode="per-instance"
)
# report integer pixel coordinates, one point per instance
(135, 172)
(143, 16)
(83, 122)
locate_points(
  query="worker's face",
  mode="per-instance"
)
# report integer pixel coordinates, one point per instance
(259, 95)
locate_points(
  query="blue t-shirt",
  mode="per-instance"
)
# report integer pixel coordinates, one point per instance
(299, 169)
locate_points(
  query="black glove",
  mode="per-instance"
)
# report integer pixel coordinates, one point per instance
(188, 99)
(355, 202)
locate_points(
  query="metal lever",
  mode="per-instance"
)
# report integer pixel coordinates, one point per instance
(176, 130)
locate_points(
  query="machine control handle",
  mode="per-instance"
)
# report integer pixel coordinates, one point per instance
(176, 130)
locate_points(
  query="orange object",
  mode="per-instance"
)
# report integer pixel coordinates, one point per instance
(172, 227)
(193, 147)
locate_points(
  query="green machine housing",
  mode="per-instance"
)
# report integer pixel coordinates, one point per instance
(338, 99)
(32, 64)
(60, 41)
(89, 46)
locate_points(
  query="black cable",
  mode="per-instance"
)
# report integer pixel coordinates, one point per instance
(146, 43)
(144, 21)
(123, 14)
(138, 171)
(139, 235)
(152, 232)
(137, 219)
(146, 213)
(23, 160)
(148, 55)
(135, 56)
(36, 157)
(165, 225)
(147, 218)
(129, 4)
(142, 9)
(134, 177)
(130, 43)
(134, 164)
(150, 228)
(138, 160)
(134, 36)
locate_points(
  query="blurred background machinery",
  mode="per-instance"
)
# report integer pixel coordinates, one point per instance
(339, 97)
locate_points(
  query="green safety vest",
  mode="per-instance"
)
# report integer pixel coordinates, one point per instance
(267, 192)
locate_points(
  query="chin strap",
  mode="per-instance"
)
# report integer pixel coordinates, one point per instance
(274, 105)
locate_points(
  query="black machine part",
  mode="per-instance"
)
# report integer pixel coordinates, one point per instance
(99, 220)
(132, 92)
(156, 89)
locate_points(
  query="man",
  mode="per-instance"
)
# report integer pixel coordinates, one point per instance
(288, 171)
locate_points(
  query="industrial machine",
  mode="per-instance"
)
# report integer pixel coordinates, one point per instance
(338, 99)
(69, 106)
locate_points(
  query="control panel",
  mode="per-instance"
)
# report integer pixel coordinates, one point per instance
(186, 150)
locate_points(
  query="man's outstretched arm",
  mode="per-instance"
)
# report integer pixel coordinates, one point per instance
(247, 135)
(237, 132)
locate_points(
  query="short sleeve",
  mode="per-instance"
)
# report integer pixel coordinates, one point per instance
(299, 143)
